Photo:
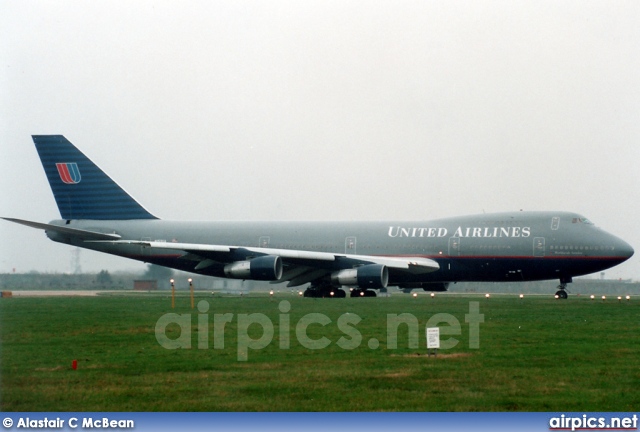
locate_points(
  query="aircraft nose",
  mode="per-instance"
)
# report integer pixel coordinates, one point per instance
(627, 250)
(624, 249)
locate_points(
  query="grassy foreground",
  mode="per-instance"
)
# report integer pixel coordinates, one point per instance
(535, 354)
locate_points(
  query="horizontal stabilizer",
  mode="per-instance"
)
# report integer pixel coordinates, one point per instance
(84, 234)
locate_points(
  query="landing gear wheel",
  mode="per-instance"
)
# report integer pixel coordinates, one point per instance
(355, 293)
(324, 292)
(562, 288)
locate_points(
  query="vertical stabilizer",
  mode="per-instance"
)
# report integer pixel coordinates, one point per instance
(81, 189)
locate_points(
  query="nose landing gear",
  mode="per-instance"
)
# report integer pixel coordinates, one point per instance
(562, 288)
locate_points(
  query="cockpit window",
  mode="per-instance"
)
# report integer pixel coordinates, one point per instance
(581, 220)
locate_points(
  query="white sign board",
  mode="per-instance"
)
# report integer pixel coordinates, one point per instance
(433, 338)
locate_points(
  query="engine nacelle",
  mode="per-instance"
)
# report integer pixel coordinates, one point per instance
(367, 276)
(264, 268)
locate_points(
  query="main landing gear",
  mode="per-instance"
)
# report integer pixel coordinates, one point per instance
(562, 288)
(324, 292)
(333, 292)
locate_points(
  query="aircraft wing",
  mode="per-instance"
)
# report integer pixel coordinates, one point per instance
(300, 266)
(75, 232)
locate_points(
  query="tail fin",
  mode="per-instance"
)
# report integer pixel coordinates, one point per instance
(81, 189)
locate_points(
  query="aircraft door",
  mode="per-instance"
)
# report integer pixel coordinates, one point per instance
(538, 247)
(454, 246)
(350, 245)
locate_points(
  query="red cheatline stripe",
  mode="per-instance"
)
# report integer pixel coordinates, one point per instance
(514, 257)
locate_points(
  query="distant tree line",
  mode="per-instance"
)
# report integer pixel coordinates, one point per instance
(105, 280)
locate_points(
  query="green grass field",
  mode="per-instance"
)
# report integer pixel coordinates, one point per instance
(535, 354)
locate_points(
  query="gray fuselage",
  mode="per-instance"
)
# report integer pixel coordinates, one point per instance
(516, 246)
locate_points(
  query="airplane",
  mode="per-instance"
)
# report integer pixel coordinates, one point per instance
(97, 214)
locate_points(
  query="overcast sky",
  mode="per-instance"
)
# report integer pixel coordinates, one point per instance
(321, 110)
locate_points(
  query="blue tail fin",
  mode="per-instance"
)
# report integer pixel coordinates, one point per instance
(81, 189)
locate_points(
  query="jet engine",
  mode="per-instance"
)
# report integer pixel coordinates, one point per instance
(263, 268)
(367, 276)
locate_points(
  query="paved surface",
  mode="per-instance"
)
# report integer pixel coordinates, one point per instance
(56, 293)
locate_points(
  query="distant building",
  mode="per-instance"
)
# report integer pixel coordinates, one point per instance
(145, 285)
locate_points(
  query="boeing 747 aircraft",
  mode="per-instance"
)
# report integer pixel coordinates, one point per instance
(98, 214)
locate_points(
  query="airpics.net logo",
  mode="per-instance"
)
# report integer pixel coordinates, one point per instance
(585, 422)
(347, 323)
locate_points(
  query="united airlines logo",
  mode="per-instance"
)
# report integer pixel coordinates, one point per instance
(482, 232)
(69, 172)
